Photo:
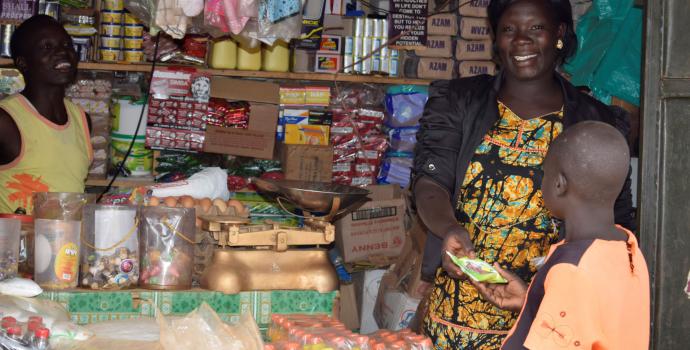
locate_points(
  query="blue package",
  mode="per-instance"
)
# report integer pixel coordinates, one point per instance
(396, 169)
(403, 139)
(405, 105)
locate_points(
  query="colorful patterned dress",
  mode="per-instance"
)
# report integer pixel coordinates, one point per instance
(501, 207)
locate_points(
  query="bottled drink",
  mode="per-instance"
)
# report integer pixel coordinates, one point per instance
(15, 332)
(40, 341)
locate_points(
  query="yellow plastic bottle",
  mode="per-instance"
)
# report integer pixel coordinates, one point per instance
(248, 54)
(224, 54)
(276, 57)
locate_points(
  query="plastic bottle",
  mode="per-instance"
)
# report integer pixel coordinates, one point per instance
(14, 332)
(224, 54)
(31, 329)
(276, 57)
(40, 341)
(7, 322)
(248, 54)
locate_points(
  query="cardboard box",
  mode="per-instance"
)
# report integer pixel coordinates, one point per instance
(300, 134)
(377, 228)
(434, 6)
(472, 28)
(328, 63)
(442, 24)
(307, 162)
(349, 308)
(437, 46)
(257, 141)
(435, 68)
(367, 287)
(472, 68)
(394, 309)
(475, 8)
(468, 50)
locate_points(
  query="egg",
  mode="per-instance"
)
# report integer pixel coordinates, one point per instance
(220, 204)
(154, 201)
(239, 207)
(187, 201)
(205, 204)
(170, 202)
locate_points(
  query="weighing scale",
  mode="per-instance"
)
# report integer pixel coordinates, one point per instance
(273, 257)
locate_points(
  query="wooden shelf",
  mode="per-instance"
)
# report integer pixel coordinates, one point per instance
(126, 182)
(130, 67)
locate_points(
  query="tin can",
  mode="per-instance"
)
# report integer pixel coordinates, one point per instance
(359, 26)
(369, 25)
(133, 42)
(357, 61)
(384, 29)
(347, 63)
(109, 54)
(349, 45)
(113, 5)
(130, 19)
(111, 29)
(111, 16)
(133, 55)
(376, 58)
(393, 69)
(82, 45)
(366, 51)
(7, 30)
(357, 45)
(111, 42)
(134, 30)
(378, 28)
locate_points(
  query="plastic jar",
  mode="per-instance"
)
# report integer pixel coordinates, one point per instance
(224, 54)
(167, 247)
(60, 205)
(111, 29)
(133, 55)
(248, 56)
(57, 253)
(134, 30)
(110, 55)
(111, 16)
(276, 58)
(10, 235)
(113, 5)
(133, 42)
(130, 19)
(26, 243)
(110, 247)
(140, 160)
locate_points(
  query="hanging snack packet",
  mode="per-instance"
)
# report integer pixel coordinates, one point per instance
(477, 269)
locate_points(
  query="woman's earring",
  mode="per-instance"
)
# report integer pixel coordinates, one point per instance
(559, 44)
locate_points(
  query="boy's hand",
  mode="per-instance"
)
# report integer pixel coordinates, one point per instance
(459, 244)
(507, 296)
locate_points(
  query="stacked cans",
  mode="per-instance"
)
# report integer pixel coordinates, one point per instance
(6, 31)
(366, 51)
(122, 35)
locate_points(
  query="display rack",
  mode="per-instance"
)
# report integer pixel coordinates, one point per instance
(130, 67)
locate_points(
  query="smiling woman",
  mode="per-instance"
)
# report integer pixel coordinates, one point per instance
(45, 144)
(478, 167)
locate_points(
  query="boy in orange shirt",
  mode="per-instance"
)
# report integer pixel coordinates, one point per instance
(593, 290)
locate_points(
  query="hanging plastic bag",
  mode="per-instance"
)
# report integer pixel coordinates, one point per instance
(170, 18)
(143, 10)
(405, 105)
(249, 8)
(235, 21)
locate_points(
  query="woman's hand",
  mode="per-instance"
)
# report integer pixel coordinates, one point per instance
(508, 296)
(459, 244)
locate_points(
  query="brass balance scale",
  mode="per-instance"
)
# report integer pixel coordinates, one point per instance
(272, 257)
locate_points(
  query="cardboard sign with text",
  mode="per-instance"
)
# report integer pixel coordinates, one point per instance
(377, 228)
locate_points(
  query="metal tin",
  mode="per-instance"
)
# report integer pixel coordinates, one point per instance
(113, 5)
(111, 42)
(357, 46)
(111, 16)
(134, 30)
(133, 43)
(376, 58)
(384, 29)
(130, 19)
(111, 29)
(385, 64)
(349, 45)
(347, 63)
(378, 28)
(369, 24)
(366, 51)
(358, 64)
(359, 26)
(7, 30)
(82, 45)
(110, 55)
(393, 69)
(133, 55)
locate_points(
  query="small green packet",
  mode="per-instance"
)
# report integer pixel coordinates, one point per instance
(477, 269)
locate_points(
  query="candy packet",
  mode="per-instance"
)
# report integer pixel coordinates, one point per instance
(477, 269)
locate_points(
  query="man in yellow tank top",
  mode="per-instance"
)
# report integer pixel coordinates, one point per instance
(44, 138)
